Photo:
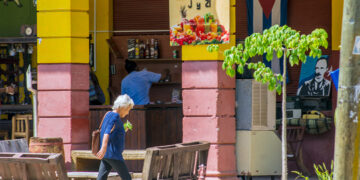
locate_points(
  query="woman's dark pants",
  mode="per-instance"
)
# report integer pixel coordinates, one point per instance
(119, 166)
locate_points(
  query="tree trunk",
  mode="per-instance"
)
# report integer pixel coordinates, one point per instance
(283, 133)
(346, 115)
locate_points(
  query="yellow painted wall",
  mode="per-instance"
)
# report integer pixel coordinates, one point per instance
(336, 22)
(62, 27)
(103, 23)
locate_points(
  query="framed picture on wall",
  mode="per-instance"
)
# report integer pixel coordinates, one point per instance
(315, 77)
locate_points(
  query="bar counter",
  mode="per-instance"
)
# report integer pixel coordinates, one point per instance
(153, 124)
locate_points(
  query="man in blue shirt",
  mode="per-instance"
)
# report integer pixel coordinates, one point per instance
(137, 83)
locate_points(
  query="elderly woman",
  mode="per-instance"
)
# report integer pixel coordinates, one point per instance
(112, 138)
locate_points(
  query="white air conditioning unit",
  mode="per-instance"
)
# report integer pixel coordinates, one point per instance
(258, 153)
(255, 106)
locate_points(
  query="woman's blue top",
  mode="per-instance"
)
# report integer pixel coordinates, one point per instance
(116, 143)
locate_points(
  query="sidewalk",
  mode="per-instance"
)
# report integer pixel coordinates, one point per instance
(290, 177)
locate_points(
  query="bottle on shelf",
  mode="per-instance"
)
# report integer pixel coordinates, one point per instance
(137, 49)
(152, 49)
(147, 50)
(156, 49)
(131, 48)
(142, 50)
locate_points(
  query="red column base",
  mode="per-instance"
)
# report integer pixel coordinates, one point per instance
(209, 110)
(63, 105)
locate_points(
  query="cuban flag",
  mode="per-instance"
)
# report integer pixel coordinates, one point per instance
(262, 14)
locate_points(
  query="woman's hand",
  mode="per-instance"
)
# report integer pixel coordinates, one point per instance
(103, 148)
(10, 90)
(101, 153)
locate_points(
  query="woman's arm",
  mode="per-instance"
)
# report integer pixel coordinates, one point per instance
(103, 148)
(9, 90)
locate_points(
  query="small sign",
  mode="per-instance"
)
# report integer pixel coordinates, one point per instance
(357, 46)
(198, 22)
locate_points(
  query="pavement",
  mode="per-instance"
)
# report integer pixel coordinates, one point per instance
(290, 177)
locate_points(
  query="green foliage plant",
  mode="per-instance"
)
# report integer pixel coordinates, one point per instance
(284, 42)
(321, 171)
(280, 40)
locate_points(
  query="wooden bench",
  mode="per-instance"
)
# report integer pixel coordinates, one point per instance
(39, 166)
(15, 145)
(177, 161)
(84, 160)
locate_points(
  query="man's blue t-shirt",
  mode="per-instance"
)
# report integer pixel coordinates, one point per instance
(116, 143)
(137, 85)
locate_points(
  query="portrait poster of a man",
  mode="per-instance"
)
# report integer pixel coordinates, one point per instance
(314, 77)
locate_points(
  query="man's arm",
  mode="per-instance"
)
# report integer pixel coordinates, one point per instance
(8, 90)
(153, 77)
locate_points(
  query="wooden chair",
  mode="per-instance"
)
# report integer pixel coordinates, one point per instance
(4, 134)
(294, 138)
(21, 126)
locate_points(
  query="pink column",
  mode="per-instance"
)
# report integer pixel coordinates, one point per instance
(63, 109)
(209, 114)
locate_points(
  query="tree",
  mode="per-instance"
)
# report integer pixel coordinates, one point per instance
(346, 164)
(286, 43)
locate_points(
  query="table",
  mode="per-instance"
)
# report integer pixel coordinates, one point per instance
(84, 160)
(16, 109)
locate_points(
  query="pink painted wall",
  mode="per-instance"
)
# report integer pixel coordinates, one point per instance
(209, 110)
(63, 105)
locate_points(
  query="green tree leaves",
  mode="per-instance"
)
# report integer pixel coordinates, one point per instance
(281, 40)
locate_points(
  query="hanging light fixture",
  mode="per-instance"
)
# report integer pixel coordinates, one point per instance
(12, 51)
(19, 48)
(30, 49)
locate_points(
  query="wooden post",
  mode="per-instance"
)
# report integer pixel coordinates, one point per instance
(346, 115)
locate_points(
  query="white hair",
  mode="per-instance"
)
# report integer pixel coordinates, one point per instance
(123, 101)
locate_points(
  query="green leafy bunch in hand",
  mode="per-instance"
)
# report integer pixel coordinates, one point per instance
(281, 40)
(128, 126)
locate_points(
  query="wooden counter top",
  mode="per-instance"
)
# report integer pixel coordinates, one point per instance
(14, 108)
(173, 105)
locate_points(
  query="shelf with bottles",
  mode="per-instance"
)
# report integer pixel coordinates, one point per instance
(177, 60)
(125, 47)
(143, 49)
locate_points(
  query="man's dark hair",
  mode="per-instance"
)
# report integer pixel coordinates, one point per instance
(322, 58)
(130, 66)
